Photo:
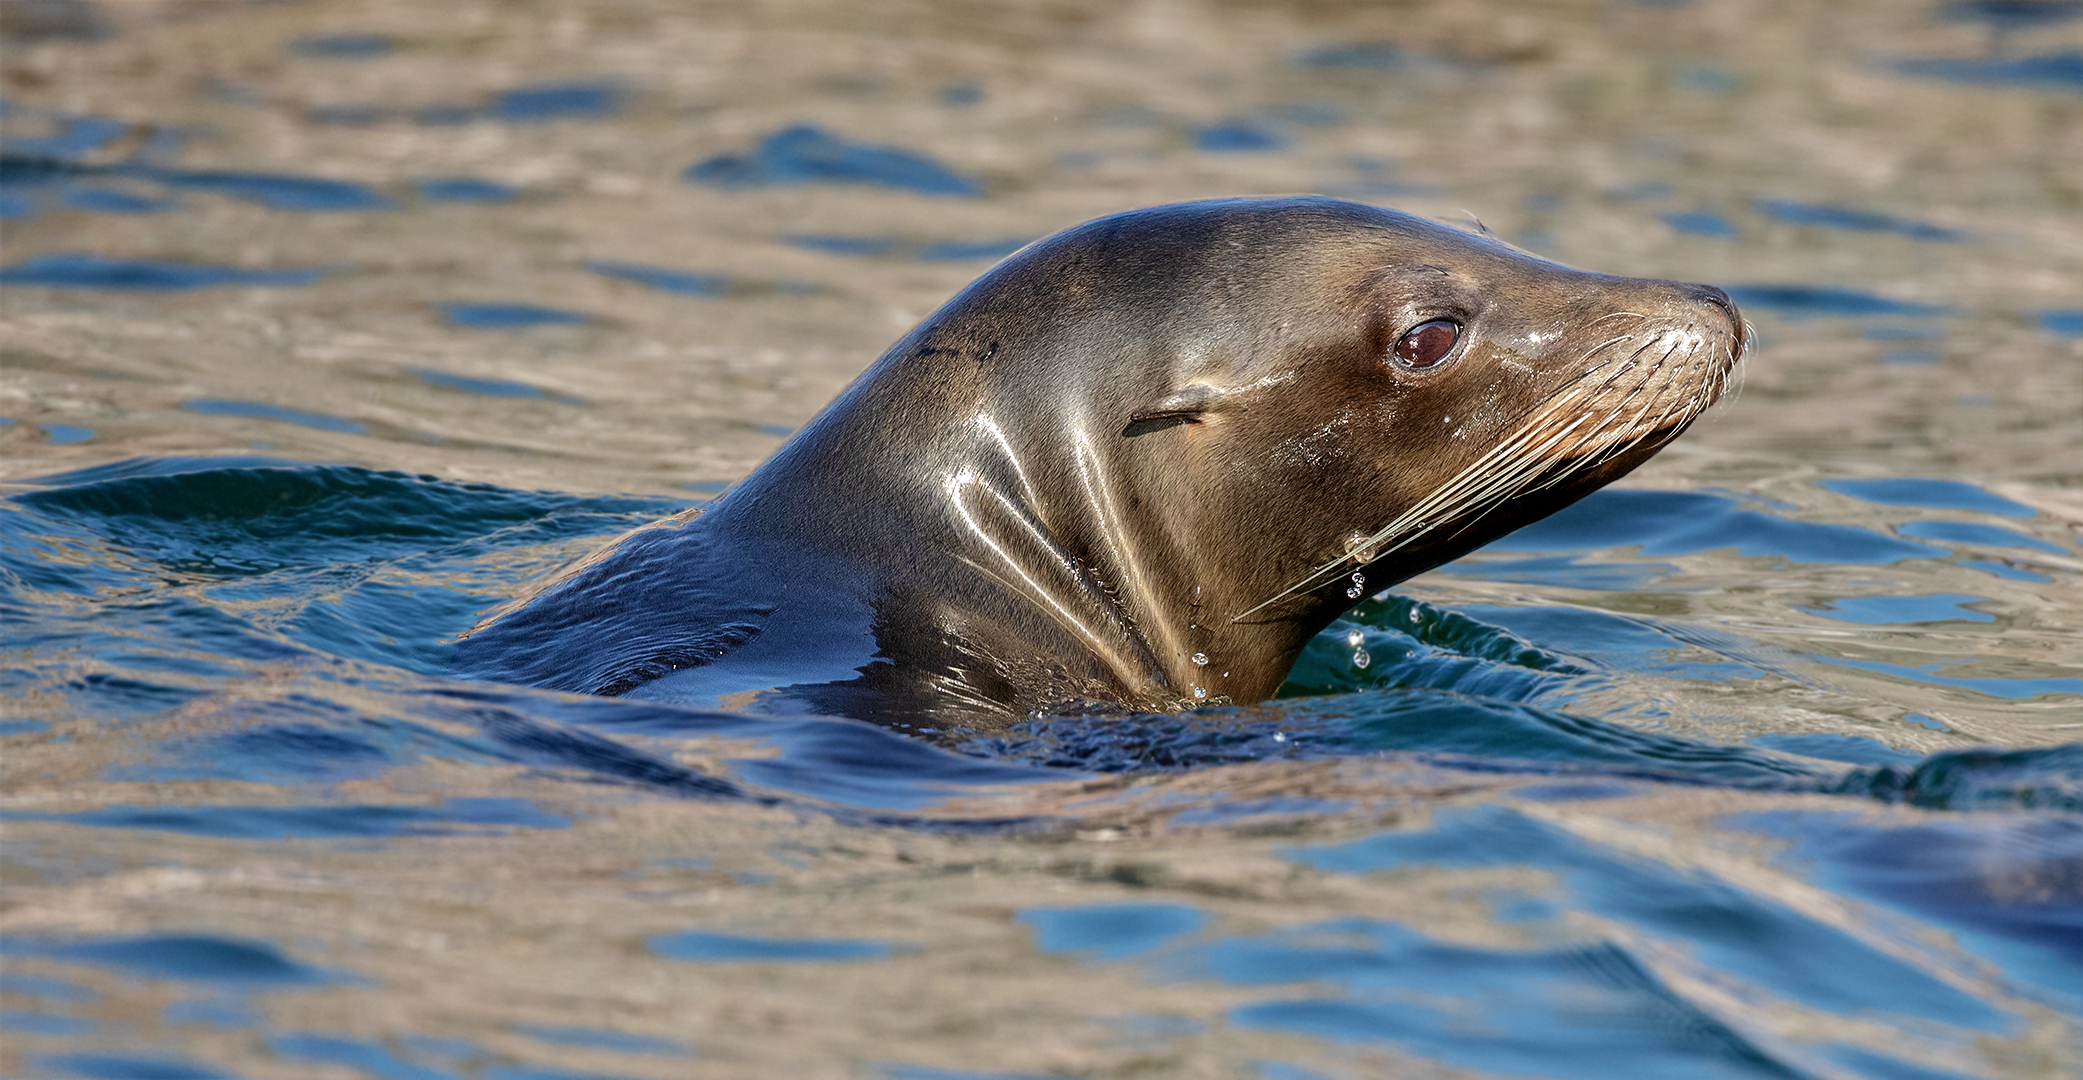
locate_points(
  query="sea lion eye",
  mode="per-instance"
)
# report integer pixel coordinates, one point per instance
(1428, 343)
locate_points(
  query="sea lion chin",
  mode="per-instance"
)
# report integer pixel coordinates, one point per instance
(1141, 461)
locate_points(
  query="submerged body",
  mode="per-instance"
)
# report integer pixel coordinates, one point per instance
(1142, 461)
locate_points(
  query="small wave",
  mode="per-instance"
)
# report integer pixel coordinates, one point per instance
(2049, 778)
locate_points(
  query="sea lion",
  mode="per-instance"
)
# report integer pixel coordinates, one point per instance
(1141, 462)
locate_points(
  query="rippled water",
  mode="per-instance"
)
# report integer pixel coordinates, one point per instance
(325, 327)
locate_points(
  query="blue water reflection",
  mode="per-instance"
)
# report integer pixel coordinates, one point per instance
(559, 101)
(889, 246)
(1931, 494)
(452, 817)
(1844, 217)
(1850, 749)
(897, 1071)
(257, 411)
(482, 316)
(668, 280)
(1701, 223)
(343, 46)
(1977, 534)
(20, 1022)
(1902, 610)
(1882, 1067)
(1677, 523)
(1108, 932)
(471, 384)
(191, 957)
(2012, 14)
(79, 270)
(464, 189)
(124, 1067)
(2048, 71)
(736, 948)
(223, 1013)
(48, 987)
(1589, 1013)
(281, 192)
(103, 200)
(1749, 936)
(844, 245)
(371, 1058)
(1237, 136)
(807, 155)
(76, 137)
(1936, 675)
(1358, 55)
(1812, 301)
(2003, 570)
(2012, 883)
(602, 1039)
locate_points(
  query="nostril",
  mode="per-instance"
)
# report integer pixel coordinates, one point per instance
(1713, 296)
(1708, 294)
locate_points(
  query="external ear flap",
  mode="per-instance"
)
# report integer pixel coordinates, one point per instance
(1182, 406)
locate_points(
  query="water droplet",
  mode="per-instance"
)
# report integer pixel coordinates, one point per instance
(1361, 659)
(1415, 618)
(1354, 637)
(1279, 737)
(1201, 658)
(1199, 693)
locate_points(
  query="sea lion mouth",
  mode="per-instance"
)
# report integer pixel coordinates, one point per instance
(1637, 390)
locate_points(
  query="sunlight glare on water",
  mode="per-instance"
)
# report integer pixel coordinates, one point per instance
(327, 326)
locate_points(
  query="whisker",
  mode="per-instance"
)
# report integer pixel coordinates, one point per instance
(1548, 445)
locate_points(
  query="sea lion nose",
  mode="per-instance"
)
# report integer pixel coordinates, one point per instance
(1708, 294)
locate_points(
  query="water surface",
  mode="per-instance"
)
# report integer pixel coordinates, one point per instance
(326, 327)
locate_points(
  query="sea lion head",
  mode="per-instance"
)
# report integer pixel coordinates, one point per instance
(1197, 433)
(1418, 390)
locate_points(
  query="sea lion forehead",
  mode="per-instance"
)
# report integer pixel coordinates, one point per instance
(1342, 248)
(1258, 251)
(1244, 221)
